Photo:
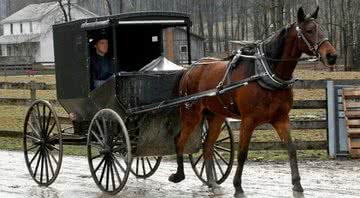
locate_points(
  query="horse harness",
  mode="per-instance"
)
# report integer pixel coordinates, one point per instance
(264, 75)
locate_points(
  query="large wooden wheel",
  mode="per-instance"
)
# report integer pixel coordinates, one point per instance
(109, 151)
(144, 167)
(43, 147)
(223, 156)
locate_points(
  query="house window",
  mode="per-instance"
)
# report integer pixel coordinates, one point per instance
(183, 49)
(8, 49)
(21, 28)
(11, 28)
(31, 27)
(1, 54)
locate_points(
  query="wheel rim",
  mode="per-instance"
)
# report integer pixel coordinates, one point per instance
(221, 156)
(42, 143)
(109, 151)
(144, 167)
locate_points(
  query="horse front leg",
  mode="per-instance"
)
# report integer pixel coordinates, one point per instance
(246, 129)
(188, 124)
(282, 127)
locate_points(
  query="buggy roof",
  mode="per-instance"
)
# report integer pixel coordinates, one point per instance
(134, 18)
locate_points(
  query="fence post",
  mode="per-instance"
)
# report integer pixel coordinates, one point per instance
(32, 90)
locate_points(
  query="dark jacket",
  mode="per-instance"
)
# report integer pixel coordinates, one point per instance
(101, 68)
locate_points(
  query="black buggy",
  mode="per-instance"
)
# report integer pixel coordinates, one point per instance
(128, 122)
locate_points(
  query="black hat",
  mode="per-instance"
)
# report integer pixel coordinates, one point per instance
(98, 36)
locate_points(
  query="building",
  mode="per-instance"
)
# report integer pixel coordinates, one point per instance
(28, 32)
(176, 40)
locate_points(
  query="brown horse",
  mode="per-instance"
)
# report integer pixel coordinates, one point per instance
(254, 104)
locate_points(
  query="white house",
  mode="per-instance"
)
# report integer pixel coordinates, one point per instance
(28, 32)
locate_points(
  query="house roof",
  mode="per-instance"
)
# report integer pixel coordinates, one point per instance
(21, 38)
(35, 12)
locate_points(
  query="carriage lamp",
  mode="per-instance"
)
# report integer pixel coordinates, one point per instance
(72, 116)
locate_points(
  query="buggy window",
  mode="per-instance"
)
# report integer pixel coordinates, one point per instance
(137, 46)
(93, 37)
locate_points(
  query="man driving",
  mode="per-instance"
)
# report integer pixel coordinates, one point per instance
(101, 65)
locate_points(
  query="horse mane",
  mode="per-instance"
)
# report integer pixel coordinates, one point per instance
(274, 45)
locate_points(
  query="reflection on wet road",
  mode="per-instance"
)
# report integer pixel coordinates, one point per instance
(261, 179)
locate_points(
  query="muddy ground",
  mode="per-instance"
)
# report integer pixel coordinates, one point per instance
(261, 179)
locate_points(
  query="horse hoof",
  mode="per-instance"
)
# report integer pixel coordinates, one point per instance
(239, 194)
(298, 188)
(176, 178)
(213, 185)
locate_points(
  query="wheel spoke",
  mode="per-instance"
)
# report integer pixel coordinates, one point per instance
(118, 163)
(37, 164)
(46, 167)
(103, 171)
(37, 153)
(50, 164)
(39, 116)
(117, 173)
(33, 138)
(227, 138)
(52, 147)
(218, 165)
(97, 146)
(96, 156)
(51, 129)
(53, 157)
(221, 157)
(100, 129)
(43, 116)
(143, 165)
(137, 166)
(48, 123)
(214, 170)
(33, 147)
(105, 126)
(197, 161)
(37, 132)
(149, 163)
(222, 148)
(112, 175)
(42, 168)
(97, 138)
(98, 166)
(108, 175)
(202, 168)
(36, 119)
(223, 127)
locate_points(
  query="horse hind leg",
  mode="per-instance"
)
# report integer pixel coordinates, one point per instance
(282, 127)
(214, 123)
(190, 119)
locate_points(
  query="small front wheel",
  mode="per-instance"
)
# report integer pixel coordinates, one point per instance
(109, 151)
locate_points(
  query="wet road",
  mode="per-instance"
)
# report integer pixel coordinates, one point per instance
(261, 179)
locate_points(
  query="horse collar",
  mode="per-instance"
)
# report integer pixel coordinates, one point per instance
(269, 80)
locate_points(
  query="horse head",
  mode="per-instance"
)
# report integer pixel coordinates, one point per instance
(312, 39)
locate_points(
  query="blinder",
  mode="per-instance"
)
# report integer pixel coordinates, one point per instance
(316, 46)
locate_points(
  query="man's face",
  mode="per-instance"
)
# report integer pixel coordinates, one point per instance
(102, 46)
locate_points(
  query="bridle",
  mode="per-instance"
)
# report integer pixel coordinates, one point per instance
(317, 44)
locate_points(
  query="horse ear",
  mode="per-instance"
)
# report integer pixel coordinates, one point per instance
(301, 15)
(315, 14)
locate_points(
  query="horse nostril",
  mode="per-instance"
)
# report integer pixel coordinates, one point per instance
(331, 58)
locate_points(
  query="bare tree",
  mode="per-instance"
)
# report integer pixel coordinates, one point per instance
(63, 10)
(109, 6)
